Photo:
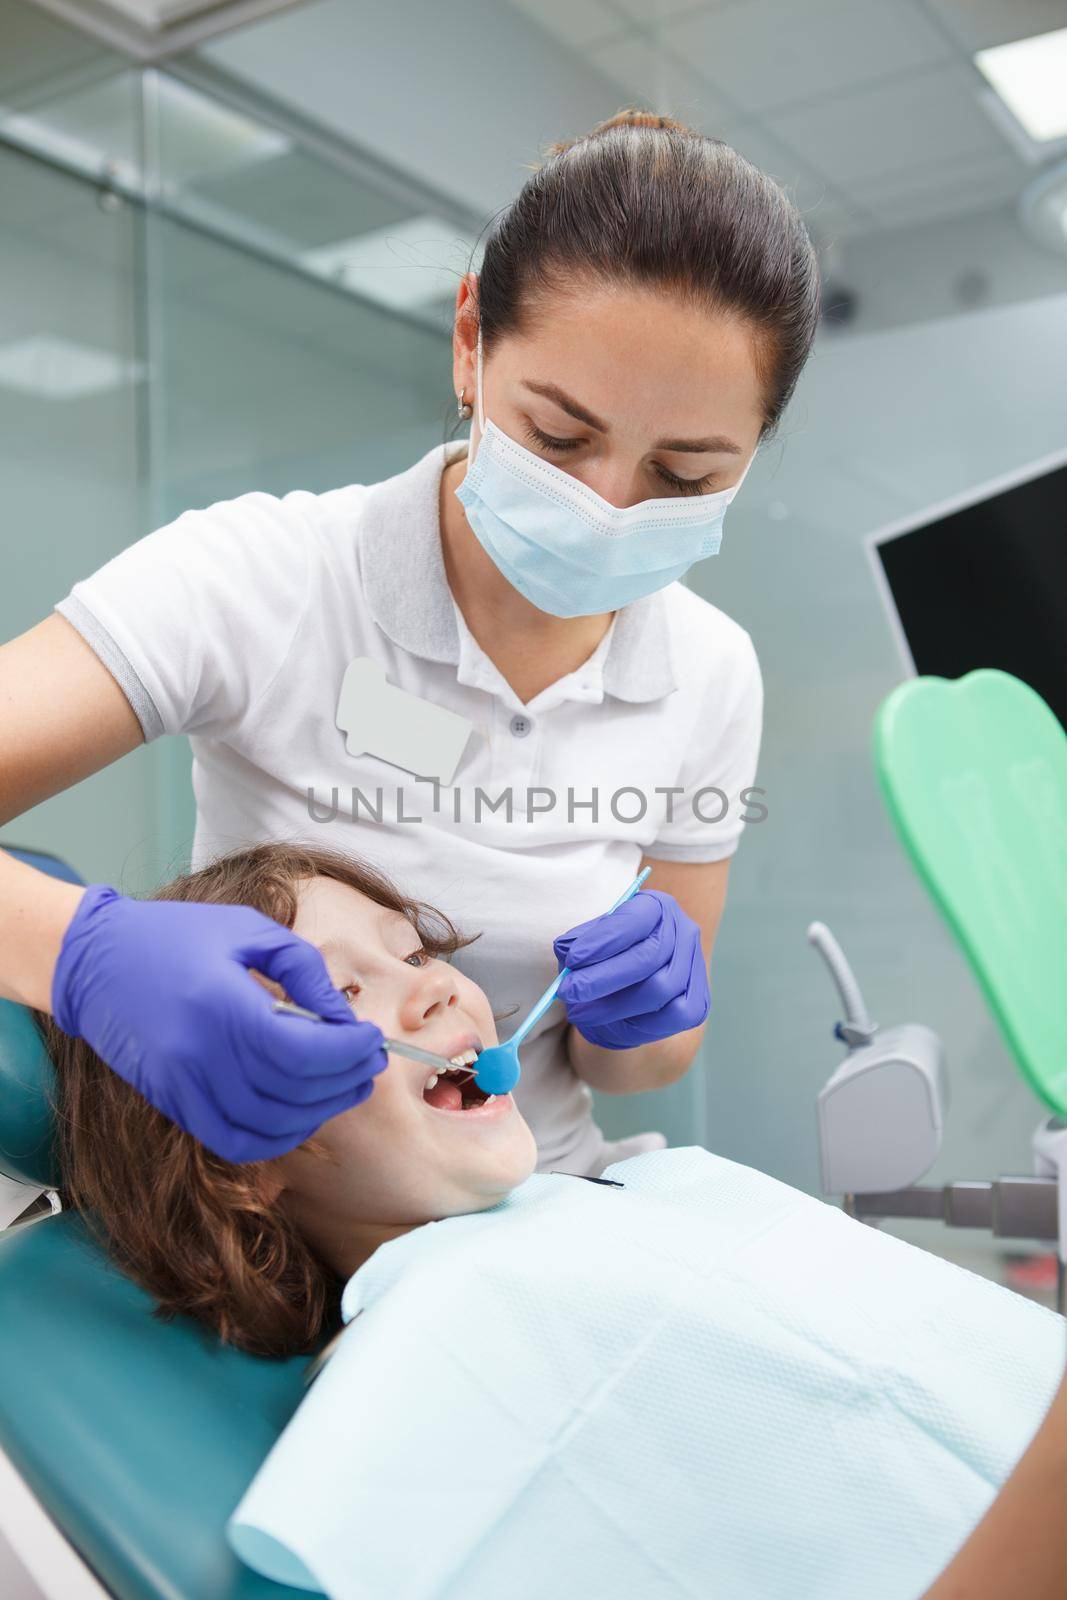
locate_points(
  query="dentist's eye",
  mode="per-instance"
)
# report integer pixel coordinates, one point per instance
(547, 442)
(687, 485)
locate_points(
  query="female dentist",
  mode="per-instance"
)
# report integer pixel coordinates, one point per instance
(480, 675)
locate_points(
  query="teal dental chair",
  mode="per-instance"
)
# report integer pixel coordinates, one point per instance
(125, 1442)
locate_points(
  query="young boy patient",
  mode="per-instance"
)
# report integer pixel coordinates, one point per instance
(688, 1379)
(260, 1252)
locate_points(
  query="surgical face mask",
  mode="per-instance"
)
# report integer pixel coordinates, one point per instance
(569, 551)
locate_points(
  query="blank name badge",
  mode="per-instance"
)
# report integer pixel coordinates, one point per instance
(378, 719)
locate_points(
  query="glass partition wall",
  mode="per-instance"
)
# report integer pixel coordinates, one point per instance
(73, 370)
(195, 307)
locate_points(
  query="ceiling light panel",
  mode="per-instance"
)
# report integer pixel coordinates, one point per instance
(1030, 76)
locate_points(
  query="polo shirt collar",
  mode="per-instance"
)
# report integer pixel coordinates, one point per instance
(408, 595)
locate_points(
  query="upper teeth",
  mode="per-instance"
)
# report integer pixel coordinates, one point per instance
(466, 1058)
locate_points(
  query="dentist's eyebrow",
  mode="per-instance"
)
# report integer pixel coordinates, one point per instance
(551, 391)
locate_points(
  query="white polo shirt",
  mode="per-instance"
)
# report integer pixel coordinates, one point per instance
(235, 625)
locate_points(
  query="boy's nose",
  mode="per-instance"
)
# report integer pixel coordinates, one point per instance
(432, 993)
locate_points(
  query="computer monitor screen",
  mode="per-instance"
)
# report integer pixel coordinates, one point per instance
(983, 583)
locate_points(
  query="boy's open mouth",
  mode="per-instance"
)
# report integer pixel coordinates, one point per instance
(455, 1090)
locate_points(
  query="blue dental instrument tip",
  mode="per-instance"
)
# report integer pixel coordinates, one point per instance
(497, 1069)
(499, 1075)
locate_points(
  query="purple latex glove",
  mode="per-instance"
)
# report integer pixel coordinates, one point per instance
(639, 973)
(160, 990)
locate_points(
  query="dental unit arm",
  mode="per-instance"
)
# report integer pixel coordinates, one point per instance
(881, 1119)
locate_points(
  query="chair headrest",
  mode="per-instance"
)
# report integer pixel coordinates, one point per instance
(26, 1088)
(974, 772)
(27, 1080)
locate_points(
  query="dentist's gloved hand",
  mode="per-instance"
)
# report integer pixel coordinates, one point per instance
(639, 973)
(161, 991)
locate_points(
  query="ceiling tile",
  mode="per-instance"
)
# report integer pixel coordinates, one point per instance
(770, 53)
(576, 22)
(987, 175)
(650, 13)
(37, 49)
(658, 79)
(297, 196)
(779, 160)
(829, 220)
(979, 24)
(933, 116)
(465, 108)
(934, 208)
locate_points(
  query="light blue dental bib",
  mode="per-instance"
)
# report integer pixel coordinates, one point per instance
(703, 1384)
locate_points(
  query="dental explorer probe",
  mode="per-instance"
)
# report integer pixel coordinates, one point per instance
(396, 1047)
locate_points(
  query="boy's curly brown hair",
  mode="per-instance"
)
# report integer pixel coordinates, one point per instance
(201, 1234)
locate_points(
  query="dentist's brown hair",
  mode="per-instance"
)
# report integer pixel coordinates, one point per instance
(644, 201)
(204, 1237)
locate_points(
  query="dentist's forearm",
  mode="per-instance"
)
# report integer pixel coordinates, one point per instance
(35, 910)
(647, 1066)
(62, 717)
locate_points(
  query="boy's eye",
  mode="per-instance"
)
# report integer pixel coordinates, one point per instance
(417, 958)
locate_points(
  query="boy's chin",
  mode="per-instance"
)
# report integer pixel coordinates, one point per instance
(489, 1188)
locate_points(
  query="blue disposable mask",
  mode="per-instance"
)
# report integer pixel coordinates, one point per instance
(568, 550)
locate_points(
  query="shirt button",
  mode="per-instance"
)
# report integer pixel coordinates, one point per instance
(520, 725)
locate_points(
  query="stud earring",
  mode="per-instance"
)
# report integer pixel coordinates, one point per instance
(463, 406)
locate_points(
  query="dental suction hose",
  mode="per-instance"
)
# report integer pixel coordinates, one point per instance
(857, 1028)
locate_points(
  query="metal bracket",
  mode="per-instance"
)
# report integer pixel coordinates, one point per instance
(1011, 1208)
